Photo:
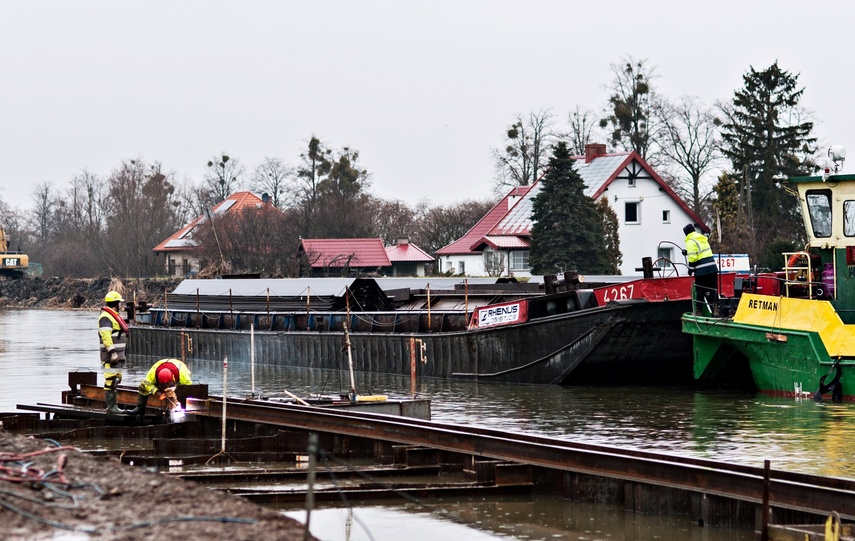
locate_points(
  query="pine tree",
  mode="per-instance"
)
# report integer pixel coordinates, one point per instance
(765, 137)
(568, 230)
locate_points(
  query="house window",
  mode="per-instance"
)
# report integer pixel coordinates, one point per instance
(494, 262)
(665, 258)
(461, 267)
(666, 216)
(519, 261)
(631, 181)
(632, 212)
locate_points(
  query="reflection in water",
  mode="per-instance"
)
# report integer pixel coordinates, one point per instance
(38, 348)
(533, 517)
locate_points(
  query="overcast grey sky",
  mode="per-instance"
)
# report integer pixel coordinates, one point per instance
(422, 89)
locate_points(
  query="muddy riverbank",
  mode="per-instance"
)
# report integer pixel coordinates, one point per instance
(79, 293)
(63, 489)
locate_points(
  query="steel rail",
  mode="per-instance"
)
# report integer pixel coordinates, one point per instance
(807, 493)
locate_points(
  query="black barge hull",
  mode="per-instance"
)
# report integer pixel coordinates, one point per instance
(624, 342)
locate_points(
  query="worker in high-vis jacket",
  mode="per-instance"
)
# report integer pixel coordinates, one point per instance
(113, 334)
(702, 264)
(161, 381)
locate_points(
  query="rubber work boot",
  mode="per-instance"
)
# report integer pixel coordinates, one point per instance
(110, 398)
(139, 410)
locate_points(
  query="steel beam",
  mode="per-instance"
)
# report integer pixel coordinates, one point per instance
(806, 493)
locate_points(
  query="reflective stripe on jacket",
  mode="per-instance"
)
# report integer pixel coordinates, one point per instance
(110, 332)
(700, 254)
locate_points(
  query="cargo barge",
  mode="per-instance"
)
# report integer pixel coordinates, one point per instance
(623, 332)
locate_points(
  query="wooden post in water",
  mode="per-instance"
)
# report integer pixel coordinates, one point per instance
(428, 303)
(223, 427)
(252, 358)
(413, 365)
(310, 489)
(347, 343)
(308, 296)
(466, 300)
(764, 520)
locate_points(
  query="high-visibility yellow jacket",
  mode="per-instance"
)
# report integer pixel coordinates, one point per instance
(110, 333)
(700, 254)
(148, 386)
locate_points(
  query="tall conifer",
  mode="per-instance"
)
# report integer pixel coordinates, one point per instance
(568, 229)
(767, 136)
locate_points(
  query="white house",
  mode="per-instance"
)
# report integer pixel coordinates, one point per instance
(180, 250)
(650, 216)
(463, 257)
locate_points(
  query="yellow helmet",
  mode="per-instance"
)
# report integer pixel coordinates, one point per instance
(113, 296)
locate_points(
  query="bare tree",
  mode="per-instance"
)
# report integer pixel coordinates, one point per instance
(583, 123)
(271, 177)
(521, 161)
(494, 263)
(440, 226)
(44, 200)
(141, 211)
(223, 177)
(630, 110)
(256, 240)
(343, 199)
(392, 220)
(692, 141)
(317, 163)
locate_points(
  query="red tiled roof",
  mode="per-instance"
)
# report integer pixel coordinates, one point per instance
(407, 252)
(341, 252)
(484, 225)
(501, 241)
(183, 238)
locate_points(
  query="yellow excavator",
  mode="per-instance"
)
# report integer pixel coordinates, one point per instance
(13, 263)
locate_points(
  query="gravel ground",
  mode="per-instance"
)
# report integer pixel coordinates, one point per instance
(49, 492)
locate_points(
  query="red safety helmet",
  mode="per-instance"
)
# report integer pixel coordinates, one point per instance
(165, 377)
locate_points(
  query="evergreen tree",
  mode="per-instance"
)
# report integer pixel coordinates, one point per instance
(610, 235)
(766, 136)
(568, 230)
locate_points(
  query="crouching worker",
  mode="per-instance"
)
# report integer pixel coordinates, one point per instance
(161, 381)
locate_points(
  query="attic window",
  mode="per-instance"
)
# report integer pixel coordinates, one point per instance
(666, 216)
(631, 181)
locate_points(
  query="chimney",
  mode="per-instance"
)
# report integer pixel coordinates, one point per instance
(592, 150)
(403, 241)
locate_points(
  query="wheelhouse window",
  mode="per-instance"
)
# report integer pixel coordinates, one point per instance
(519, 260)
(632, 212)
(819, 210)
(849, 218)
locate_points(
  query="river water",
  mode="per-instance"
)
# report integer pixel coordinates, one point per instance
(39, 347)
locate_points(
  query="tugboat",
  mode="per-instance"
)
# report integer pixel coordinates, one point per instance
(792, 330)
